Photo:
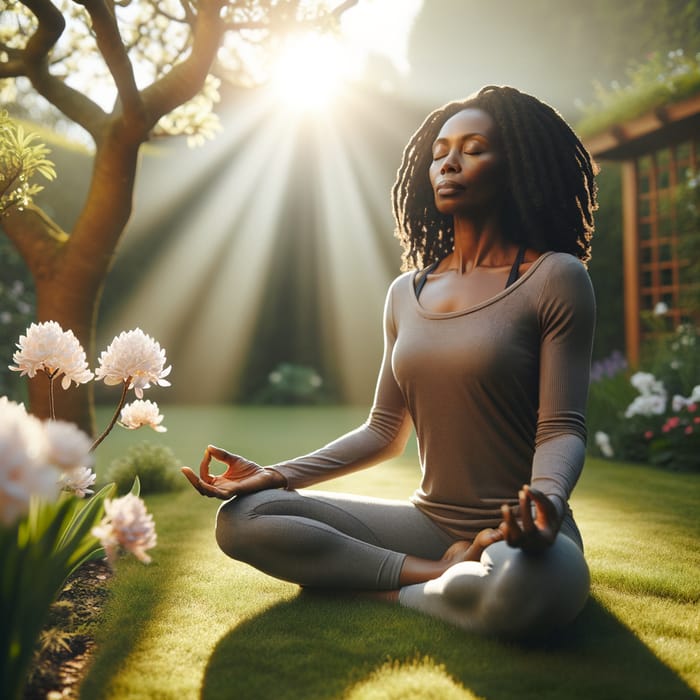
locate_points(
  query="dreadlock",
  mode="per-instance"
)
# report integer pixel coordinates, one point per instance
(551, 189)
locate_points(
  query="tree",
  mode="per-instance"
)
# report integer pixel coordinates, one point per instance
(157, 57)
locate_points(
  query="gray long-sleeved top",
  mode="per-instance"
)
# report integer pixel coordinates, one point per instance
(497, 395)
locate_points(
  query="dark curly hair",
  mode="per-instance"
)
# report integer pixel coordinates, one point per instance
(551, 193)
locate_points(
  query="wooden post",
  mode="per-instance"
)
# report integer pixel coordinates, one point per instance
(630, 257)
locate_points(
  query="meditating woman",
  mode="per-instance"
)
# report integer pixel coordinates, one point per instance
(487, 337)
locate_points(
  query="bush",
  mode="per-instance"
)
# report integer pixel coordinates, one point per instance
(156, 466)
(290, 384)
(652, 416)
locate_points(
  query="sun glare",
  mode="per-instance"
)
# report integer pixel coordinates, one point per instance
(309, 71)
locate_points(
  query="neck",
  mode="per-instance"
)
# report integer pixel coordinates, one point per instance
(479, 245)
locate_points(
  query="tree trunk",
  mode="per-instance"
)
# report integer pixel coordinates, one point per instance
(57, 301)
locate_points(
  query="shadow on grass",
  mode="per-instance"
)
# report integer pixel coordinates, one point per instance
(315, 648)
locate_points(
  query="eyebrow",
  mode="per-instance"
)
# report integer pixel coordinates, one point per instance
(463, 137)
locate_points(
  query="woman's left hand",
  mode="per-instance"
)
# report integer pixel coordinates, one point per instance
(531, 534)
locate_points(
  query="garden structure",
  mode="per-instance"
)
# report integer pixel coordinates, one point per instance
(658, 151)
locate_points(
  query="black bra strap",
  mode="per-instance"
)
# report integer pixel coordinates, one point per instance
(514, 271)
(422, 275)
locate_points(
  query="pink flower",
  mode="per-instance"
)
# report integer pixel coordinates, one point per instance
(696, 419)
(128, 525)
(689, 430)
(692, 407)
(648, 434)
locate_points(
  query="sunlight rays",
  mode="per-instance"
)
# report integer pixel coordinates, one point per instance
(353, 273)
(286, 214)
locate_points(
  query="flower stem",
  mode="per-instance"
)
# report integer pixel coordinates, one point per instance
(108, 429)
(52, 403)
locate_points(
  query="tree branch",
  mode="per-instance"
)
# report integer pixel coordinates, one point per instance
(111, 46)
(32, 62)
(38, 239)
(185, 80)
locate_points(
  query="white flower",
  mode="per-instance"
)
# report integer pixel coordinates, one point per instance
(661, 309)
(647, 384)
(79, 481)
(136, 357)
(126, 524)
(602, 440)
(678, 403)
(47, 347)
(25, 470)
(139, 413)
(68, 446)
(695, 395)
(647, 405)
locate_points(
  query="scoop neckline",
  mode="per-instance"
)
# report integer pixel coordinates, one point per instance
(487, 302)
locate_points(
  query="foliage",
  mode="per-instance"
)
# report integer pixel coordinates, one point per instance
(156, 467)
(22, 159)
(652, 416)
(39, 553)
(17, 309)
(292, 384)
(660, 80)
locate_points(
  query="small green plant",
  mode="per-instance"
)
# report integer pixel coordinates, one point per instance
(156, 466)
(660, 79)
(290, 384)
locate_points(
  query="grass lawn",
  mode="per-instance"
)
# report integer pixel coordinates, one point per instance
(195, 624)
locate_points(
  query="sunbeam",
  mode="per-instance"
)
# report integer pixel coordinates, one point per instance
(277, 247)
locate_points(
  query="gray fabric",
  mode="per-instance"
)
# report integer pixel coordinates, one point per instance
(508, 593)
(327, 540)
(497, 394)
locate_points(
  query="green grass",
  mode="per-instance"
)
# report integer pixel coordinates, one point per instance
(195, 624)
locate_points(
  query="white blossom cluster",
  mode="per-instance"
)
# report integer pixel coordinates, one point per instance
(142, 413)
(602, 440)
(47, 347)
(133, 357)
(37, 458)
(678, 402)
(652, 396)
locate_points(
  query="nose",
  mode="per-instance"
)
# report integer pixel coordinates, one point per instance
(451, 163)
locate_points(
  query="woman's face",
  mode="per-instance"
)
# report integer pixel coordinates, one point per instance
(467, 172)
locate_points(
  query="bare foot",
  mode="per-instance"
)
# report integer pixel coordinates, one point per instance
(463, 550)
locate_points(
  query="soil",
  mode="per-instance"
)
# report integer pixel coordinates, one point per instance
(67, 645)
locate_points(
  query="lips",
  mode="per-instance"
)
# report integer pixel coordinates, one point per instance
(447, 188)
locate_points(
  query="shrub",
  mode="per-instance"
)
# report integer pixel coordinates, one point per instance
(650, 416)
(156, 466)
(290, 384)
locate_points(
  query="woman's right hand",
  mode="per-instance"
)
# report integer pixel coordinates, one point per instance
(241, 476)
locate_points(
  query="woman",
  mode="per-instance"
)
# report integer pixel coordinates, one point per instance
(487, 352)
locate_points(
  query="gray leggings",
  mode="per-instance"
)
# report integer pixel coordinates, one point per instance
(330, 540)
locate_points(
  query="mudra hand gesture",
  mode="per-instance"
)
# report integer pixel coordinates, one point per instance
(533, 533)
(241, 476)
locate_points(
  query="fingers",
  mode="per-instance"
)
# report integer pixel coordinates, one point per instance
(525, 500)
(194, 480)
(203, 487)
(510, 527)
(204, 474)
